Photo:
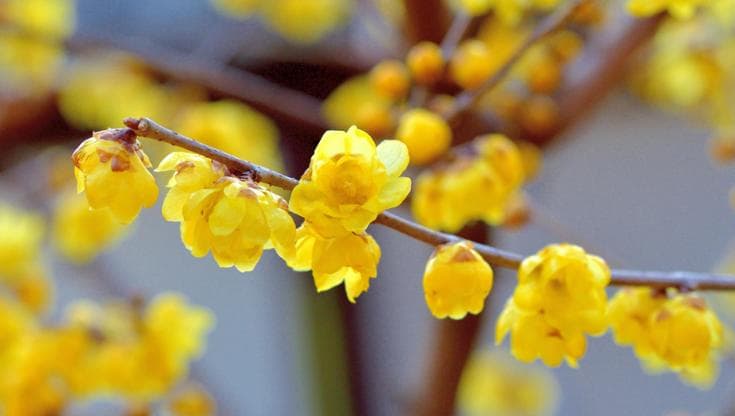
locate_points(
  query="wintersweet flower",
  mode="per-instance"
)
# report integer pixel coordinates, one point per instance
(113, 170)
(350, 258)
(234, 219)
(472, 64)
(681, 9)
(559, 299)
(456, 281)
(426, 62)
(425, 133)
(391, 79)
(358, 101)
(350, 181)
(20, 244)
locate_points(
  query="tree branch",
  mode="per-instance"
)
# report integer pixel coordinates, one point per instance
(683, 280)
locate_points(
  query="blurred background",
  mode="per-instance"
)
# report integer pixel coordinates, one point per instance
(630, 182)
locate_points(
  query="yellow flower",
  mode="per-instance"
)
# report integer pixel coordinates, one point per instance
(237, 8)
(358, 102)
(474, 187)
(192, 400)
(235, 219)
(560, 297)
(476, 7)
(350, 181)
(81, 233)
(494, 384)
(20, 244)
(51, 18)
(426, 135)
(32, 290)
(456, 281)
(306, 21)
(113, 170)
(629, 313)
(235, 128)
(471, 64)
(28, 64)
(426, 62)
(350, 258)
(391, 79)
(681, 9)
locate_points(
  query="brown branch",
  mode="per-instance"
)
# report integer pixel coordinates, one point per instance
(547, 26)
(426, 20)
(683, 280)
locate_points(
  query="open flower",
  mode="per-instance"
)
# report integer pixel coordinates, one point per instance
(113, 170)
(456, 281)
(350, 258)
(350, 181)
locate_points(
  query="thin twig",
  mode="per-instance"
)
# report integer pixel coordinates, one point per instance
(455, 33)
(683, 280)
(549, 25)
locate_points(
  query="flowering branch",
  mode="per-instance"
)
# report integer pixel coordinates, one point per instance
(549, 25)
(682, 280)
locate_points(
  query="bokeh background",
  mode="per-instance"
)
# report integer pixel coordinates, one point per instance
(629, 183)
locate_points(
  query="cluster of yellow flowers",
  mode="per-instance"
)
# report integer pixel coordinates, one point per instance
(669, 331)
(296, 20)
(559, 299)
(31, 42)
(445, 197)
(493, 384)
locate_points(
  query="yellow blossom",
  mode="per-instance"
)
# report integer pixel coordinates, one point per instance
(51, 18)
(559, 298)
(456, 281)
(426, 135)
(350, 181)
(81, 233)
(494, 384)
(113, 170)
(306, 21)
(28, 64)
(234, 219)
(350, 258)
(33, 290)
(629, 313)
(20, 244)
(391, 78)
(682, 9)
(476, 7)
(192, 400)
(426, 62)
(235, 128)
(358, 102)
(471, 64)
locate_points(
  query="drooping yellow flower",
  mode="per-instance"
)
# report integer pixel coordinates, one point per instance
(234, 219)
(471, 187)
(391, 79)
(494, 384)
(681, 9)
(81, 233)
(350, 258)
(559, 298)
(358, 102)
(456, 281)
(350, 181)
(306, 21)
(235, 128)
(629, 313)
(113, 170)
(426, 135)
(426, 62)
(20, 244)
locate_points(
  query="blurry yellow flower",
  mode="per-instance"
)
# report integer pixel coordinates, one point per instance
(475, 187)
(234, 219)
(681, 9)
(113, 170)
(512, 11)
(358, 102)
(32, 290)
(192, 400)
(51, 18)
(494, 384)
(391, 79)
(426, 135)
(476, 7)
(350, 181)
(306, 21)
(426, 63)
(235, 128)
(28, 64)
(456, 281)
(237, 8)
(471, 64)
(629, 313)
(20, 244)
(81, 233)
(350, 258)
(559, 298)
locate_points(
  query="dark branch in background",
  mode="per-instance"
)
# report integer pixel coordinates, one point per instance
(683, 280)
(454, 35)
(269, 97)
(426, 20)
